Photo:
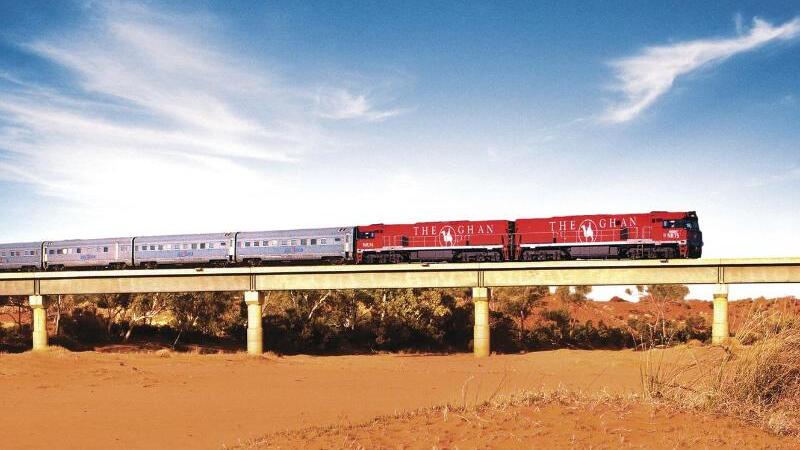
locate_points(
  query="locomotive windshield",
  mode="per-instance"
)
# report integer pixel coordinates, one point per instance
(689, 224)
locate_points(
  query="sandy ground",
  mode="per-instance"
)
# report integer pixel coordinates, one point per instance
(145, 400)
(547, 426)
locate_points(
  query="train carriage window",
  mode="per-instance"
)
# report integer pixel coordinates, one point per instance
(12, 254)
(338, 239)
(194, 246)
(222, 244)
(210, 245)
(202, 245)
(247, 244)
(255, 243)
(294, 241)
(160, 247)
(186, 246)
(283, 242)
(52, 252)
(152, 248)
(273, 243)
(78, 250)
(322, 241)
(303, 241)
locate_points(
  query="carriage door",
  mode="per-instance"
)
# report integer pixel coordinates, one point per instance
(116, 251)
(231, 249)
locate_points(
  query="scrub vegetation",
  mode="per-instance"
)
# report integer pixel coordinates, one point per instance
(755, 376)
(356, 321)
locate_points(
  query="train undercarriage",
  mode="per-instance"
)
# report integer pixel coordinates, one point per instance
(444, 255)
(601, 252)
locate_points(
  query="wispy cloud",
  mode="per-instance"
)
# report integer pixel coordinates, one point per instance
(645, 77)
(340, 104)
(153, 114)
(787, 176)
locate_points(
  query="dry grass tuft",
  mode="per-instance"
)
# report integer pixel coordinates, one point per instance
(479, 413)
(755, 377)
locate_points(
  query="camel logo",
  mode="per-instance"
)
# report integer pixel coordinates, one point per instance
(588, 230)
(447, 236)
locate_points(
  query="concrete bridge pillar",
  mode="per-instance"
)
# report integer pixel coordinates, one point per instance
(719, 328)
(480, 339)
(255, 333)
(36, 303)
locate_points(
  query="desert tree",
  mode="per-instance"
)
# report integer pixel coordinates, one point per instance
(19, 303)
(144, 308)
(206, 312)
(573, 294)
(517, 302)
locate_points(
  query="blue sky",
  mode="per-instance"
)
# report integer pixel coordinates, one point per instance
(125, 118)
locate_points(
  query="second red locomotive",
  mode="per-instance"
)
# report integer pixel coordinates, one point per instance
(456, 241)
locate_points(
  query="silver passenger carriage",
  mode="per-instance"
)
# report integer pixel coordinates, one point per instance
(21, 256)
(212, 249)
(114, 253)
(317, 244)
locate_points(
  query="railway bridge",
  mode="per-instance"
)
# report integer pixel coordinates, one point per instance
(480, 277)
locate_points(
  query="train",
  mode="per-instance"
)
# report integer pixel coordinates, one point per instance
(653, 235)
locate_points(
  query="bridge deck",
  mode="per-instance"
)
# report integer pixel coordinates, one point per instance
(698, 271)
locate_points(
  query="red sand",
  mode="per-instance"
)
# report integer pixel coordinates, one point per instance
(96, 400)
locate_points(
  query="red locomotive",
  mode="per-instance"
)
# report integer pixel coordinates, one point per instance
(658, 234)
(456, 241)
